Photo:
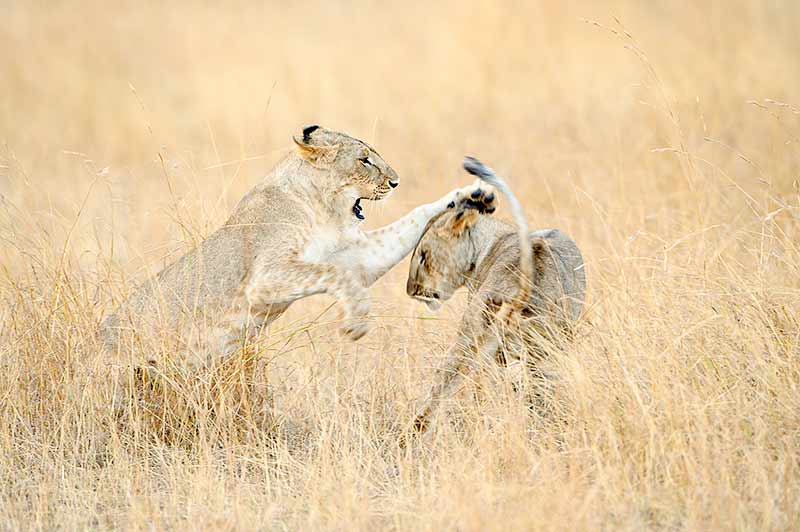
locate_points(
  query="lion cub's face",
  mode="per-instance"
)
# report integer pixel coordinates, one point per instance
(349, 157)
(443, 258)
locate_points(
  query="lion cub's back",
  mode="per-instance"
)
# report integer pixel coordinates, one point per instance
(570, 283)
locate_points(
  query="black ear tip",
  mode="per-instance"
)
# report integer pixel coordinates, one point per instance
(308, 130)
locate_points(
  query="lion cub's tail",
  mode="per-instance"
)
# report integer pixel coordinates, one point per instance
(477, 168)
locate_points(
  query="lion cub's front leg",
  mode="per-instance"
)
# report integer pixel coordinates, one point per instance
(477, 341)
(355, 299)
(461, 361)
(378, 251)
(270, 290)
(299, 279)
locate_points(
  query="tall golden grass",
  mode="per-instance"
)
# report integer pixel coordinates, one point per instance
(663, 136)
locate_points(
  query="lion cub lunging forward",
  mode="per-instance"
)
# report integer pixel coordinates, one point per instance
(296, 234)
(535, 280)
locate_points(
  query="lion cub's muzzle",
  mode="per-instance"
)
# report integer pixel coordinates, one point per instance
(430, 297)
(384, 190)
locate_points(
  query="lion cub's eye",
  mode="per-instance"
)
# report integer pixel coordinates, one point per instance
(422, 257)
(366, 161)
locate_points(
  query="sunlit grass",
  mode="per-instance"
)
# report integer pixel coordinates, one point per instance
(665, 141)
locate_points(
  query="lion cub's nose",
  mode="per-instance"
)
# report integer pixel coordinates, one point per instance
(394, 184)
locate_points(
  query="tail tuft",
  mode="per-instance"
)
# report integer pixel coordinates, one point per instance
(478, 169)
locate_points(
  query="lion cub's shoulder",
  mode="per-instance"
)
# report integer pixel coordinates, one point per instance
(272, 204)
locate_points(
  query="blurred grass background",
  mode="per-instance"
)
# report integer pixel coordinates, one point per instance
(663, 136)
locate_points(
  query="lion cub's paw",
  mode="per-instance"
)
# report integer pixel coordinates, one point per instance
(355, 323)
(478, 196)
(354, 329)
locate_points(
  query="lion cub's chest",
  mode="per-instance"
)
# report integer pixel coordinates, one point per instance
(327, 241)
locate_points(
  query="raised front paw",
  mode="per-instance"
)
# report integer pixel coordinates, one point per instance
(478, 196)
(354, 329)
(355, 320)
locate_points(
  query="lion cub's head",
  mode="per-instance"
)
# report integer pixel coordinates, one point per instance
(348, 158)
(443, 257)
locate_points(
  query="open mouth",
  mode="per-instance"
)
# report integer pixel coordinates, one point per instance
(357, 209)
(381, 193)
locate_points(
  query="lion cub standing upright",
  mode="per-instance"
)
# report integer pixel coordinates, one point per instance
(534, 279)
(295, 234)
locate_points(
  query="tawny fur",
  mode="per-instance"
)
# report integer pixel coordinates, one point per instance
(295, 234)
(462, 248)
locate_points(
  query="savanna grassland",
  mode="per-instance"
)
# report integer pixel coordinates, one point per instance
(663, 136)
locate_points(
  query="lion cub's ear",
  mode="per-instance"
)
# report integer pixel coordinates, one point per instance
(317, 155)
(541, 254)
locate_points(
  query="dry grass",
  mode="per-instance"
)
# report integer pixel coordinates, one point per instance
(129, 133)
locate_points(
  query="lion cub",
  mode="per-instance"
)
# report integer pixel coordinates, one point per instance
(534, 279)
